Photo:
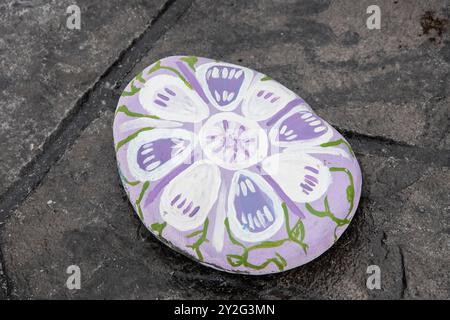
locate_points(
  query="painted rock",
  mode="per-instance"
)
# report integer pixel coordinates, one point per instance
(232, 169)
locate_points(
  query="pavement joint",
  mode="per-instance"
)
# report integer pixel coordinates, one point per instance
(378, 145)
(404, 278)
(7, 285)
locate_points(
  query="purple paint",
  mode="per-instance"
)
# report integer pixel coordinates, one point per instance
(282, 112)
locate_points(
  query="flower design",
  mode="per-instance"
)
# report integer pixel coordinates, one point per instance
(227, 154)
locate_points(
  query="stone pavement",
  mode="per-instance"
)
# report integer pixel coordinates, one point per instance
(387, 91)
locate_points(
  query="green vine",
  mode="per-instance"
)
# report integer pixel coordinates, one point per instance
(296, 235)
(158, 228)
(196, 245)
(141, 196)
(129, 113)
(131, 137)
(140, 78)
(191, 61)
(350, 193)
(126, 181)
(326, 213)
(133, 88)
(131, 183)
(158, 66)
(337, 143)
(132, 92)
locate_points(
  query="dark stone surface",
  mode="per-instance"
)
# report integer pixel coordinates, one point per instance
(46, 68)
(387, 89)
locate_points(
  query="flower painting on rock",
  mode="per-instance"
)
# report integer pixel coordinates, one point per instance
(231, 168)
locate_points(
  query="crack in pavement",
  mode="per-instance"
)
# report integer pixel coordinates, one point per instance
(404, 278)
(377, 145)
(5, 281)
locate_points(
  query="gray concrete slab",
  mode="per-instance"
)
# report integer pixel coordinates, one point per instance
(47, 68)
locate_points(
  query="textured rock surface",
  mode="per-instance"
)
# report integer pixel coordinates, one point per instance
(388, 89)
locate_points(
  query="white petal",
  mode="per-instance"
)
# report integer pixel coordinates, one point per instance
(265, 99)
(153, 154)
(302, 177)
(294, 130)
(187, 200)
(235, 86)
(169, 98)
(257, 215)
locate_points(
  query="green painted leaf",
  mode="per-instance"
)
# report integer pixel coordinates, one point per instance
(156, 67)
(140, 78)
(350, 193)
(191, 61)
(298, 231)
(235, 260)
(281, 259)
(132, 92)
(158, 227)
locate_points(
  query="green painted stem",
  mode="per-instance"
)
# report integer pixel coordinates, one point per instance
(140, 78)
(141, 196)
(133, 91)
(326, 213)
(158, 66)
(350, 191)
(197, 244)
(121, 143)
(131, 183)
(129, 113)
(337, 143)
(296, 235)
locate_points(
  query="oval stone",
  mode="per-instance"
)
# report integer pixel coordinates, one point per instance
(231, 168)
